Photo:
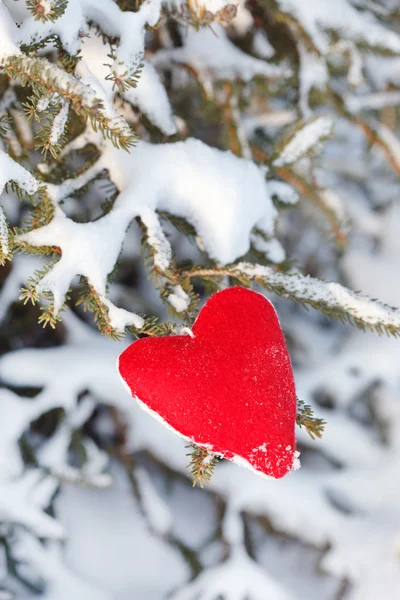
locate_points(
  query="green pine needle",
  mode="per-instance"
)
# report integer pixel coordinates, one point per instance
(305, 418)
(201, 465)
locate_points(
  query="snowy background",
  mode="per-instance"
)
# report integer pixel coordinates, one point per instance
(95, 501)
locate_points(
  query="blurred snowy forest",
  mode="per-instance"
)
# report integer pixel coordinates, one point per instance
(203, 144)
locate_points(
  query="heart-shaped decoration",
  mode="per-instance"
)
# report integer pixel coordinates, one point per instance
(229, 388)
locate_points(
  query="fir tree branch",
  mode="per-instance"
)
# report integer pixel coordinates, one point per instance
(305, 418)
(90, 301)
(153, 327)
(46, 78)
(311, 192)
(330, 298)
(201, 465)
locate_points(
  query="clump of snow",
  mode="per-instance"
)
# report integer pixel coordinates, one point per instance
(283, 192)
(296, 461)
(179, 299)
(243, 20)
(272, 249)
(262, 46)
(62, 582)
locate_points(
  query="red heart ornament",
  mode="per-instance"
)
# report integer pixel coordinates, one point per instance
(229, 389)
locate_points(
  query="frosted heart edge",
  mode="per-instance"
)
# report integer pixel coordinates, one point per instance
(236, 459)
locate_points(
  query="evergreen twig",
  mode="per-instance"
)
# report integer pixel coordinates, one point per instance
(305, 418)
(332, 299)
(201, 465)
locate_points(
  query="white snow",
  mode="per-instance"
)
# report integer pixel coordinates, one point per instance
(23, 499)
(8, 33)
(128, 26)
(59, 123)
(62, 583)
(157, 511)
(206, 186)
(238, 577)
(306, 138)
(383, 70)
(284, 192)
(149, 95)
(12, 171)
(262, 46)
(374, 101)
(313, 73)
(211, 52)
(319, 17)
(272, 249)
(3, 233)
(179, 299)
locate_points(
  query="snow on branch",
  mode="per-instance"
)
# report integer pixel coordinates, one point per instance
(212, 53)
(21, 179)
(318, 18)
(127, 26)
(12, 171)
(149, 94)
(330, 298)
(47, 78)
(306, 138)
(374, 101)
(16, 504)
(59, 124)
(4, 245)
(188, 180)
(238, 577)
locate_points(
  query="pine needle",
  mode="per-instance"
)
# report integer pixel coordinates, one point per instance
(305, 418)
(202, 464)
